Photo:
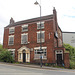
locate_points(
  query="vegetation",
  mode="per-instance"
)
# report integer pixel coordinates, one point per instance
(72, 55)
(5, 55)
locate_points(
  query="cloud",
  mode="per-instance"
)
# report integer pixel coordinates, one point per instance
(69, 16)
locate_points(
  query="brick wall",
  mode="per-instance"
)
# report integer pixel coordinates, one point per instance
(32, 38)
(66, 60)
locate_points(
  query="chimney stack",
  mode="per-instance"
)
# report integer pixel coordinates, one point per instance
(55, 17)
(12, 21)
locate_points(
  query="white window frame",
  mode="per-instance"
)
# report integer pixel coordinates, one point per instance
(10, 30)
(37, 56)
(38, 25)
(20, 55)
(42, 40)
(9, 40)
(13, 51)
(23, 26)
(27, 38)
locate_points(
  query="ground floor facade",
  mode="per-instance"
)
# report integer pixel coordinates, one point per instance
(32, 55)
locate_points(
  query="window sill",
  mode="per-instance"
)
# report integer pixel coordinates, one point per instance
(39, 58)
(11, 33)
(24, 31)
(11, 45)
(40, 42)
(39, 28)
(24, 43)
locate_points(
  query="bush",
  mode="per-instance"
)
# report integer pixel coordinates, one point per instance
(72, 64)
(72, 55)
(5, 56)
(28, 63)
(70, 49)
(46, 64)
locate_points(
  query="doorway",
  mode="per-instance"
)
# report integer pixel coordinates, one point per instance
(59, 59)
(24, 56)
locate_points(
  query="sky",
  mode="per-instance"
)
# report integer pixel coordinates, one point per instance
(25, 9)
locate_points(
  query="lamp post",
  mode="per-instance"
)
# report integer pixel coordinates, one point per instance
(36, 3)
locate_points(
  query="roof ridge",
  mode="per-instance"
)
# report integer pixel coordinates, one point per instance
(31, 20)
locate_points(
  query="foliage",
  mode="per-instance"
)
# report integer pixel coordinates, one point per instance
(46, 64)
(72, 55)
(1, 48)
(70, 49)
(17, 62)
(28, 63)
(5, 55)
(72, 64)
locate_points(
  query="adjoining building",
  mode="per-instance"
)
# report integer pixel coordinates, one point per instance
(69, 38)
(23, 40)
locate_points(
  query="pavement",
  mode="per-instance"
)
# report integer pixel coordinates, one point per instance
(38, 66)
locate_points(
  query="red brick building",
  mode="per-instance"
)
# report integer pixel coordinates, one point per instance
(23, 40)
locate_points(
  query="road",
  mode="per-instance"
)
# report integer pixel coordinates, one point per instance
(6, 69)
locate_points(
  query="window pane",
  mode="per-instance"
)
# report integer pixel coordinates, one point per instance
(11, 40)
(20, 55)
(24, 39)
(12, 53)
(25, 28)
(37, 53)
(40, 37)
(11, 31)
(40, 26)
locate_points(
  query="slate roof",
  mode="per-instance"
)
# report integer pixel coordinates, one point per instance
(31, 20)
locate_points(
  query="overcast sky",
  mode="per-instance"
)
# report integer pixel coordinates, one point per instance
(25, 9)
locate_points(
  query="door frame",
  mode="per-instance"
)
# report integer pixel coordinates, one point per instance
(22, 50)
(59, 60)
(58, 52)
(24, 57)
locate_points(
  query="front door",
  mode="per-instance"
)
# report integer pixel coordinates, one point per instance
(24, 57)
(59, 59)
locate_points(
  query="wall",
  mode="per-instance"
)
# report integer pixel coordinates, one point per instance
(69, 38)
(32, 38)
(66, 60)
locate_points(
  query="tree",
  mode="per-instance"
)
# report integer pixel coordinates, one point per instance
(70, 49)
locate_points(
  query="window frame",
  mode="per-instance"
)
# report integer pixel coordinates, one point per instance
(42, 39)
(26, 38)
(20, 56)
(13, 51)
(9, 39)
(37, 56)
(26, 25)
(12, 28)
(38, 25)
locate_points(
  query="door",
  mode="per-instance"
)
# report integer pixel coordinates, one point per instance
(24, 57)
(59, 59)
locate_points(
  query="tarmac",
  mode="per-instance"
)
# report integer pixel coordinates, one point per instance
(38, 67)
